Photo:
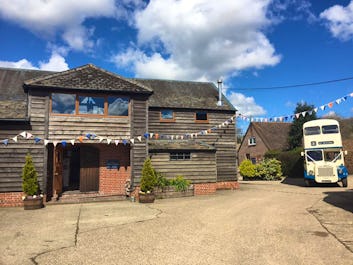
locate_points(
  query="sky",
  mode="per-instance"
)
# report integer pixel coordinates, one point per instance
(254, 46)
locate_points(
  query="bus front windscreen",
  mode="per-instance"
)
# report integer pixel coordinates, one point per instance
(314, 155)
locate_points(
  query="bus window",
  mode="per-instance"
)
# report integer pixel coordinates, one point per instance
(331, 156)
(312, 130)
(314, 155)
(326, 129)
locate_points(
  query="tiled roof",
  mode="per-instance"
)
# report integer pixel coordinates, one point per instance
(13, 99)
(273, 134)
(184, 94)
(88, 77)
(166, 145)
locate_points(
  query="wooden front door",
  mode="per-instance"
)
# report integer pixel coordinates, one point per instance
(58, 171)
(89, 171)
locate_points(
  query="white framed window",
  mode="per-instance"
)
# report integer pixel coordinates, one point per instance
(252, 141)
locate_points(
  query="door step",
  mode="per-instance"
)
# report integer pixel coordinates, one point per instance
(84, 197)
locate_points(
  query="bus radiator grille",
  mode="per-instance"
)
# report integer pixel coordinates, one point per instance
(325, 171)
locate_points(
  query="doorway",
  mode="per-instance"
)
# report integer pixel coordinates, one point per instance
(80, 168)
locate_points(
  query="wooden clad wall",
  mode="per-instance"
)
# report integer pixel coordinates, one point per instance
(12, 156)
(224, 139)
(139, 124)
(200, 168)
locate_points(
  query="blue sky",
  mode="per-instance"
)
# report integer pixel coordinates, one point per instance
(248, 43)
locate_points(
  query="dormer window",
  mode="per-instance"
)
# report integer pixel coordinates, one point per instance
(252, 141)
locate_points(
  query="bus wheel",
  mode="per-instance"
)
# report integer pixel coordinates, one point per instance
(307, 183)
(345, 182)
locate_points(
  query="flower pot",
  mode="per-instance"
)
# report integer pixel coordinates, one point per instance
(31, 203)
(146, 197)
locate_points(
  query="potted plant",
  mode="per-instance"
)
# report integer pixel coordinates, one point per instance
(148, 182)
(32, 198)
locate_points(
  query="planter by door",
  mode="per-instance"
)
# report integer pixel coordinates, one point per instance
(30, 203)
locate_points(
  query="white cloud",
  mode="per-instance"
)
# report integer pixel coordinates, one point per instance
(200, 39)
(339, 21)
(48, 18)
(246, 105)
(56, 63)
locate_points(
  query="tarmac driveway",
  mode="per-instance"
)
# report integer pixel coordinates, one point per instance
(262, 223)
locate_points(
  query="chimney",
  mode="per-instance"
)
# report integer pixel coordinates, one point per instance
(219, 82)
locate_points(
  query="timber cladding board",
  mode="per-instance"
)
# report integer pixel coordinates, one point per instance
(15, 152)
(201, 168)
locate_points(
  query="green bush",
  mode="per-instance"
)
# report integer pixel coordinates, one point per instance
(269, 169)
(292, 162)
(180, 183)
(149, 178)
(29, 177)
(162, 181)
(247, 169)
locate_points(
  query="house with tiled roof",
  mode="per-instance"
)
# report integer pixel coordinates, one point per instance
(89, 131)
(261, 137)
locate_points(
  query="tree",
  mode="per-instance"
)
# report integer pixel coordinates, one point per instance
(29, 177)
(296, 130)
(149, 178)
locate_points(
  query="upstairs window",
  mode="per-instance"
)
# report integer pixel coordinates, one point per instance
(201, 116)
(91, 105)
(76, 104)
(312, 130)
(180, 156)
(252, 141)
(167, 115)
(328, 129)
(63, 103)
(118, 106)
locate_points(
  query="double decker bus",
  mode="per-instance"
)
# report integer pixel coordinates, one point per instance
(323, 153)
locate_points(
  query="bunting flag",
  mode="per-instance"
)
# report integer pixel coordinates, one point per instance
(191, 135)
(23, 134)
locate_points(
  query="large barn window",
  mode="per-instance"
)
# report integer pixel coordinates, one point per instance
(118, 106)
(91, 105)
(180, 156)
(63, 103)
(77, 104)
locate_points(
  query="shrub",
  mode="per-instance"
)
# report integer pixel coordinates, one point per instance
(162, 181)
(30, 177)
(149, 178)
(180, 183)
(247, 169)
(269, 169)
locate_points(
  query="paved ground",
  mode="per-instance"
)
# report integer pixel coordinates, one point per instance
(262, 223)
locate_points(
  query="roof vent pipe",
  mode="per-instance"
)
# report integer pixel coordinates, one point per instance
(219, 82)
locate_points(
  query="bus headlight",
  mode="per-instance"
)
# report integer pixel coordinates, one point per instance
(311, 172)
